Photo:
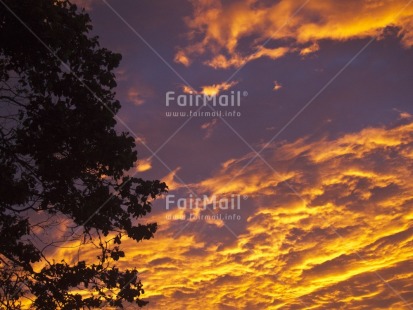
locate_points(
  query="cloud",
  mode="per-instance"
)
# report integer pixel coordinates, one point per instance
(322, 249)
(236, 60)
(215, 89)
(405, 115)
(144, 165)
(209, 127)
(188, 90)
(210, 90)
(180, 57)
(135, 97)
(310, 49)
(232, 33)
(277, 86)
(169, 179)
(323, 245)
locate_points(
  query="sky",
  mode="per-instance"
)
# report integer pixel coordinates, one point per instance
(312, 164)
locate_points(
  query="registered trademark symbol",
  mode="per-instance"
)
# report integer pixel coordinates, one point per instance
(245, 93)
(245, 197)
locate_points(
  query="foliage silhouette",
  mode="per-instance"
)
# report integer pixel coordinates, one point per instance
(62, 163)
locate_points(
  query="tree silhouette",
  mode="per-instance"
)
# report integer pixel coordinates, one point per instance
(62, 164)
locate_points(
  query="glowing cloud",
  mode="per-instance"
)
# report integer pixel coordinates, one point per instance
(329, 227)
(277, 86)
(218, 27)
(210, 90)
(144, 165)
(215, 89)
(332, 242)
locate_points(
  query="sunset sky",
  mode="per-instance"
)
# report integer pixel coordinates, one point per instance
(319, 152)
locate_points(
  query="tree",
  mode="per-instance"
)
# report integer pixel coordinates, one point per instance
(63, 163)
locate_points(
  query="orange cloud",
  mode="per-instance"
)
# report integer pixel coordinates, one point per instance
(277, 86)
(309, 49)
(144, 165)
(210, 90)
(236, 60)
(180, 57)
(215, 89)
(187, 90)
(169, 179)
(322, 250)
(218, 27)
(342, 238)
